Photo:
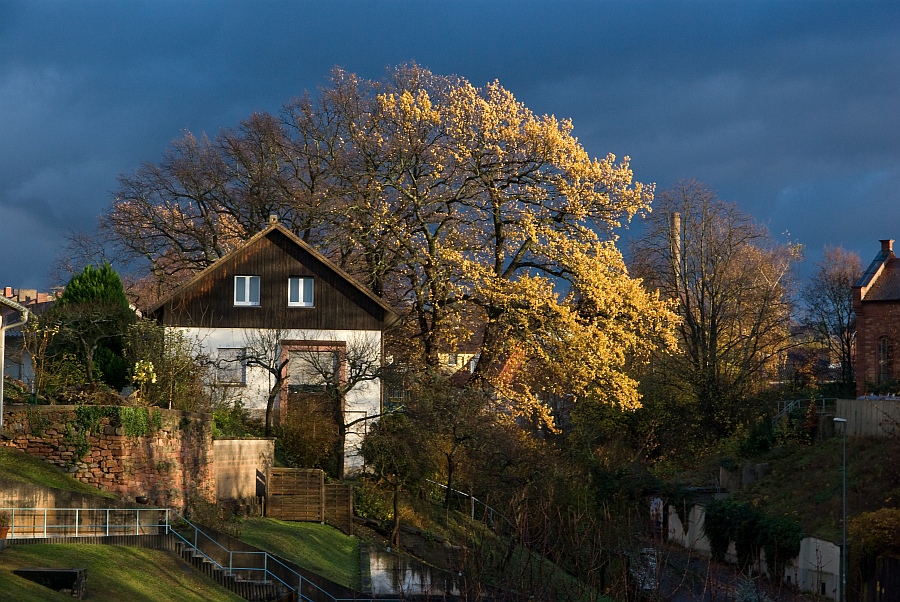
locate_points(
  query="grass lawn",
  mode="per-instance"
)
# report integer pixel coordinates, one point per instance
(114, 574)
(318, 548)
(804, 481)
(16, 465)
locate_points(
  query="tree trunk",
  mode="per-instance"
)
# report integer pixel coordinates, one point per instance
(395, 531)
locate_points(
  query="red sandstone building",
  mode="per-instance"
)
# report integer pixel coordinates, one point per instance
(876, 302)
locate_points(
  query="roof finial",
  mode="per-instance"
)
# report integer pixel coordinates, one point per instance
(273, 219)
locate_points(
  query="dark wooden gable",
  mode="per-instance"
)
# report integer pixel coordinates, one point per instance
(274, 255)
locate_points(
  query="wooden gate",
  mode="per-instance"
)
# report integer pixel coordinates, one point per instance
(301, 494)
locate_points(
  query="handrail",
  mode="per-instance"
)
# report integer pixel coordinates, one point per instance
(38, 525)
(33, 523)
(266, 559)
(789, 405)
(474, 499)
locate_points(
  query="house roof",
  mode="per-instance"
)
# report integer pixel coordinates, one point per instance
(881, 280)
(9, 303)
(391, 316)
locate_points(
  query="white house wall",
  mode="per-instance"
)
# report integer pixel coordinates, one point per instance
(362, 400)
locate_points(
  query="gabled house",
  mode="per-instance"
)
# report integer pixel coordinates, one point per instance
(276, 287)
(876, 302)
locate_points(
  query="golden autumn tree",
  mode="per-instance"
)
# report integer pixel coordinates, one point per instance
(476, 218)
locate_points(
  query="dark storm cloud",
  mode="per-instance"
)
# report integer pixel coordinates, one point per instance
(787, 108)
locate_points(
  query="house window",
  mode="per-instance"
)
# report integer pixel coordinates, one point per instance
(246, 290)
(452, 359)
(885, 364)
(231, 369)
(300, 292)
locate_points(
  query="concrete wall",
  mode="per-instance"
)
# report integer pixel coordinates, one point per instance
(168, 465)
(241, 466)
(819, 561)
(14, 494)
(870, 417)
(818, 564)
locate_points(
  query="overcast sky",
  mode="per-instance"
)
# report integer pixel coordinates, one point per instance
(790, 109)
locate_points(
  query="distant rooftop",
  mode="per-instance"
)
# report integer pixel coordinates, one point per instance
(29, 297)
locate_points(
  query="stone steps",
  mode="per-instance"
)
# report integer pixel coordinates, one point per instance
(252, 590)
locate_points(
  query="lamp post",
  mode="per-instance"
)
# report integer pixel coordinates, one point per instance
(843, 422)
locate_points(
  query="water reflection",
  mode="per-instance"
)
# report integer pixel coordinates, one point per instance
(396, 575)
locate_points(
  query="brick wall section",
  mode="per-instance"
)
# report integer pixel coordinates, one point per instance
(874, 320)
(169, 465)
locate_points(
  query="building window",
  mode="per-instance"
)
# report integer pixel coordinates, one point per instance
(885, 364)
(300, 292)
(452, 359)
(231, 368)
(246, 290)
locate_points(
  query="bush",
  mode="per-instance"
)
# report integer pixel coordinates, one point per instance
(750, 529)
(371, 502)
(730, 520)
(232, 421)
(875, 534)
(781, 538)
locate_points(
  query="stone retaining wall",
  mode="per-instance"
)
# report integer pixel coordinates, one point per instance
(170, 461)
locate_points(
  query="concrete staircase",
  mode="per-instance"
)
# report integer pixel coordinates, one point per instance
(249, 589)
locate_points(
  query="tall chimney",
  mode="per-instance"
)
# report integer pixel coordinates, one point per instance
(887, 245)
(675, 244)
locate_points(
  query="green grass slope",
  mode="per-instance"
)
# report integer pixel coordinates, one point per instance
(114, 574)
(804, 482)
(318, 548)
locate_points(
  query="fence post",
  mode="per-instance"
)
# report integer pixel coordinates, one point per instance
(77, 510)
(45, 523)
(107, 522)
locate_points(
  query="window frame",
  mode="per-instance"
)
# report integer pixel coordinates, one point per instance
(232, 368)
(303, 281)
(884, 360)
(248, 281)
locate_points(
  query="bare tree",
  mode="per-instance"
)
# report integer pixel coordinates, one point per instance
(828, 310)
(336, 368)
(262, 349)
(732, 286)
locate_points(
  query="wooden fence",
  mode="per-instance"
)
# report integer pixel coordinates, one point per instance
(301, 494)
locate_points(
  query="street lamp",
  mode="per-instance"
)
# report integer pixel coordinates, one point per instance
(843, 422)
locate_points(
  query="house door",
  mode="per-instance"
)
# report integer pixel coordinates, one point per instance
(312, 418)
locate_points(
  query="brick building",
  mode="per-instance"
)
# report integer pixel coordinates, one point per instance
(876, 302)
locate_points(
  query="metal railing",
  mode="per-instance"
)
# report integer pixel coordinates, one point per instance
(823, 405)
(27, 523)
(32, 523)
(244, 564)
(489, 512)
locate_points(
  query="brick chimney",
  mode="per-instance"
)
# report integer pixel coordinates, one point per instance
(887, 245)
